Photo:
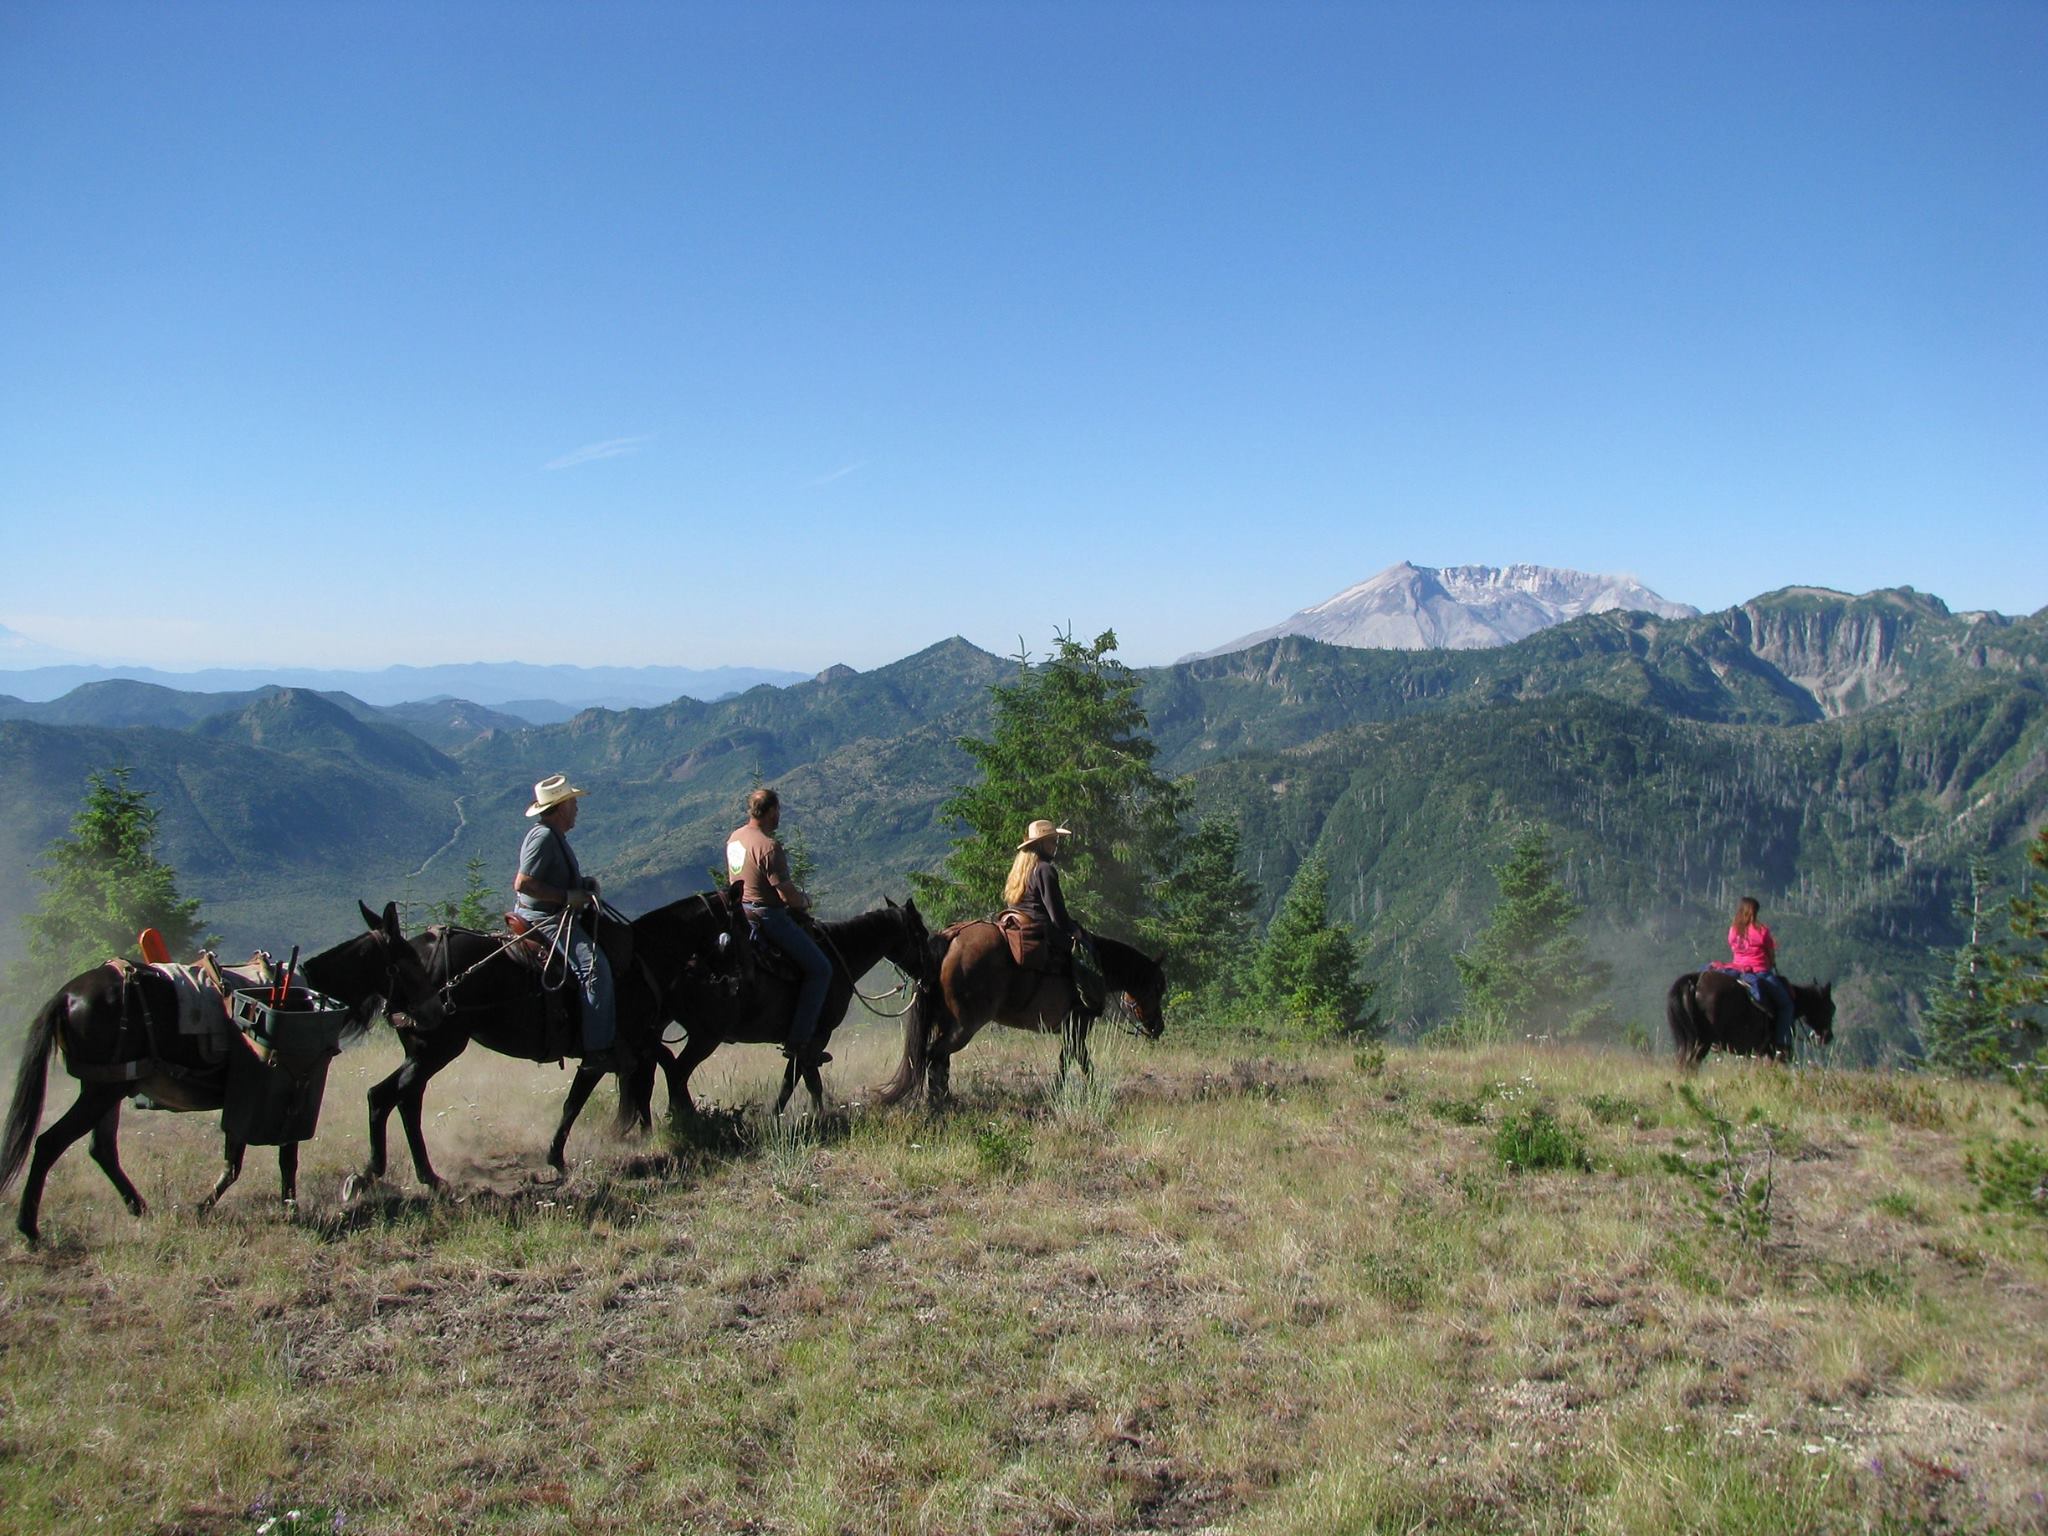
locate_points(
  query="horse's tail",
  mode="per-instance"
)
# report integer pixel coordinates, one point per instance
(910, 1070)
(1682, 1014)
(29, 1083)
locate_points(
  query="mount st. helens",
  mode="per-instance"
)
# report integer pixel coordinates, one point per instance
(1839, 757)
(1458, 607)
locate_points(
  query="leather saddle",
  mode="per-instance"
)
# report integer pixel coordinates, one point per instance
(768, 956)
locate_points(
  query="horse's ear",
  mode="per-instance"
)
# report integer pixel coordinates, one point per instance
(1160, 960)
(369, 917)
(390, 922)
(890, 903)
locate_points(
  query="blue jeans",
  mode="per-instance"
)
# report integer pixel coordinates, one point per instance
(785, 935)
(1778, 998)
(593, 975)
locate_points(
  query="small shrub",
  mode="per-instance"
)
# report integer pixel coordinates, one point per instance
(1370, 1059)
(1900, 1207)
(2012, 1176)
(1533, 1139)
(1735, 1178)
(1396, 1280)
(1458, 1111)
(1617, 1109)
(1865, 1282)
(1002, 1150)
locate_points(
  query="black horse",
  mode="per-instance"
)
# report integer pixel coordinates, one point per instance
(481, 989)
(1711, 1008)
(978, 982)
(117, 1027)
(713, 1012)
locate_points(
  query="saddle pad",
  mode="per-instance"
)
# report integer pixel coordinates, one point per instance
(202, 1010)
(1751, 983)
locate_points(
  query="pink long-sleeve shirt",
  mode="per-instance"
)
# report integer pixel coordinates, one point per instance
(1753, 950)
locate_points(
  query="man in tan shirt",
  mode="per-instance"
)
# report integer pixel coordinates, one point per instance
(755, 859)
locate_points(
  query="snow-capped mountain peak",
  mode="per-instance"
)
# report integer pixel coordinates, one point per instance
(1459, 607)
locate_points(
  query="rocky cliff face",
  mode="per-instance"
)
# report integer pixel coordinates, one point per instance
(1846, 653)
(1460, 607)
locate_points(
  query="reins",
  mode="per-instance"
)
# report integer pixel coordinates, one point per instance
(905, 985)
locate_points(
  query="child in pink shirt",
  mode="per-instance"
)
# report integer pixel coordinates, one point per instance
(1753, 952)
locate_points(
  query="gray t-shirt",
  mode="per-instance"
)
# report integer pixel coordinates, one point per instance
(546, 857)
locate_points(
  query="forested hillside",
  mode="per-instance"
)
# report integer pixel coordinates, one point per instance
(1841, 758)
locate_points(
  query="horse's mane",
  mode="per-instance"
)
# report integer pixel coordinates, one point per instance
(858, 927)
(1124, 956)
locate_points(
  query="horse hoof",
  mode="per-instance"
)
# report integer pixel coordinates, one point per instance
(356, 1184)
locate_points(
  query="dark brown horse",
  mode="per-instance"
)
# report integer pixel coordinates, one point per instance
(118, 1031)
(713, 1011)
(979, 983)
(480, 989)
(1711, 1008)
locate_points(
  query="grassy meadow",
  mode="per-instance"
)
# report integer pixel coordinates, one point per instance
(1303, 1292)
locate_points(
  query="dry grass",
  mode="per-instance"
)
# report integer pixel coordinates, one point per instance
(1256, 1296)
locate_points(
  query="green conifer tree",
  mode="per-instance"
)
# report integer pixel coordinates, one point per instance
(103, 886)
(1527, 971)
(1307, 970)
(476, 905)
(1205, 914)
(2020, 968)
(1963, 1028)
(1069, 742)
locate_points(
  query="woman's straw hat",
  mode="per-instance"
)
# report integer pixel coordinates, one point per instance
(551, 792)
(1039, 831)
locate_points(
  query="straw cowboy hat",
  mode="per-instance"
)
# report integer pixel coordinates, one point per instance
(551, 792)
(1042, 831)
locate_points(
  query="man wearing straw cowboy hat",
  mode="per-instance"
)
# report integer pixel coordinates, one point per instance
(552, 889)
(1033, 888)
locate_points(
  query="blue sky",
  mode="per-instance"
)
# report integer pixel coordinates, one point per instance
(768, 334)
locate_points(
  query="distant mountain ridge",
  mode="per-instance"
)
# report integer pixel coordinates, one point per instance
(1843, 757)
(1410, 607)
(546, 693)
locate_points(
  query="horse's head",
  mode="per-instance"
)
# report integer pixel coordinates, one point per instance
(1141, 981)
(910, 948)
(376, 966)
(1817, 1007)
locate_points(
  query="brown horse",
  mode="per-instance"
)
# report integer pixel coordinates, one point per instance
(979, 983)
(119, 1035)
(1711, 1008)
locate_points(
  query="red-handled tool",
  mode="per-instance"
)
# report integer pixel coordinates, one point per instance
(283, 994)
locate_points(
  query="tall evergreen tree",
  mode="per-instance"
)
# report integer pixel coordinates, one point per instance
(1527, 971)
(1308, 966)
(1069, 742)
(103, 885)
(2021, 967)
(1205, 914)
(1963, 1028)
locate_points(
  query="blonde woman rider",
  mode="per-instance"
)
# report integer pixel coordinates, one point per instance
(1033, 888)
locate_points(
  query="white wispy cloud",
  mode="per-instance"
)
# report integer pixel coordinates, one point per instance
(837, 474)
(610, 448)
